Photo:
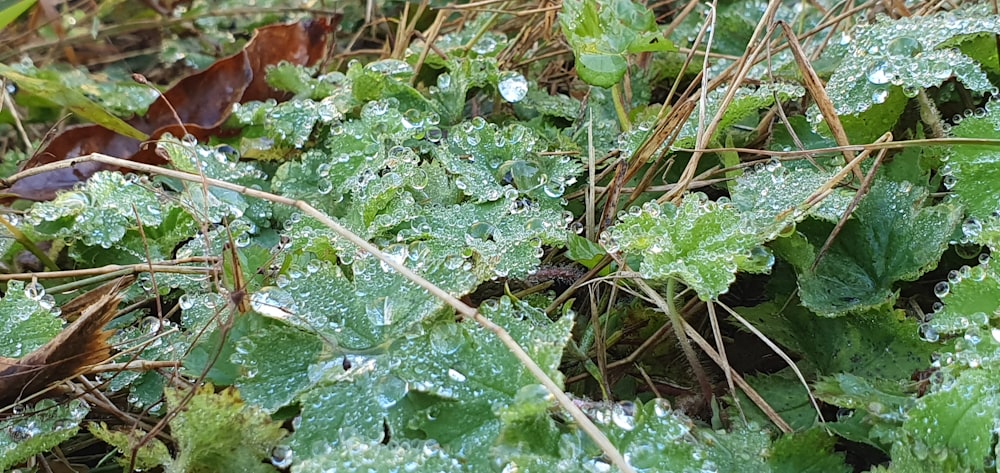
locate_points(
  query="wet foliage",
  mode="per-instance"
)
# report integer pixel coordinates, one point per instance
(596, 188)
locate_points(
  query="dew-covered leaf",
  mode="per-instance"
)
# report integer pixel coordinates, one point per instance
(811, 451)
(501, 239)
(786, 394)
(28, 319)
(747, 102)
(152, 454)
(368, 308)
(891, 236)
(952, 428)
(488, 160)
(702, 243)
(100, 212)
(772, 195)
(355, 455)
(971, 298)
(271, 362)
(913, 53)
(38, 430)
(858, 344)
(446, 383)
(971, 172)
(70, 98)
(218, 432)
(603, 33)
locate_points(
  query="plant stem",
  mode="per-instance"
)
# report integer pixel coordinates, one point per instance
(678, 326)
(930, 115)
(616, 96)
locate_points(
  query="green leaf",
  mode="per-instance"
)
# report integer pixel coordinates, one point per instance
(952, 428)
(971, 172)
(38, 430)
(772, 196)
(701, 243)
(354, 455)
(746, 103)
(100, 212)
(217, 431)
(857, 344)
(446, 383)
(890, 237)
(73, 100)
(11, 9)
(584, 251)
(913, 53)
(601, 34)
(28, 319)
(807, 452)
(152, 454)
(786, 394)
(971, 299)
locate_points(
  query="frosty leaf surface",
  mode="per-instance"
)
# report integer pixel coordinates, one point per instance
(701, 243)
(38, 430)
(891, 236)
(913, 53)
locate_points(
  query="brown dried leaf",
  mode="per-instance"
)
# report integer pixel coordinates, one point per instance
(81, 345)
(202, 101)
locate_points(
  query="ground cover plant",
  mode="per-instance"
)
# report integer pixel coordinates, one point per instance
(502, 236)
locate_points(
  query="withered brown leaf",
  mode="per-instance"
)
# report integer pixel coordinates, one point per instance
(82, 344)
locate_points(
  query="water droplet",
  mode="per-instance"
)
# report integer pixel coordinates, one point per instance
(941, 289)
(446, 338)
(513, 86)
(880, 95)
(34, 291)
(282, 456)
(456, 376)
(390, 390)
(905, 46)
(879, 74)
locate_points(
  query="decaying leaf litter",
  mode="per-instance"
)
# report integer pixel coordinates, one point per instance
(316, 242)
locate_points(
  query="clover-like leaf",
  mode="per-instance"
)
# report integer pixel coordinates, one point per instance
(602, 33)
(702, 242)
(891, 236)
(913, 53)
(38, 430)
